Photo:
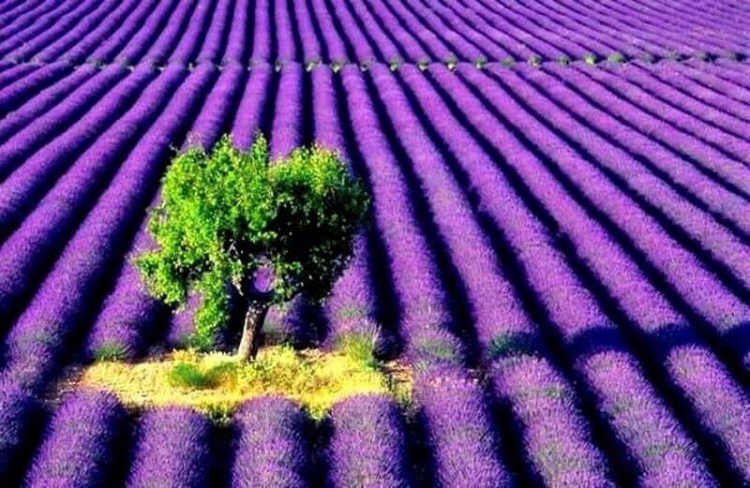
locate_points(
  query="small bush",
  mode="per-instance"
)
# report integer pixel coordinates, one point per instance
(480, 62)
(535, 60)
(563, 60)
(110, 352)
(451, 62)
(189, 375)
(616, 58)
(360, 347)
(590, 58)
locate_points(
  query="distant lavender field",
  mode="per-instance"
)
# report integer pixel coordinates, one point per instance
(560, 238)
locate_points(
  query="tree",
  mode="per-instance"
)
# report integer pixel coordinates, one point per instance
(228, 217)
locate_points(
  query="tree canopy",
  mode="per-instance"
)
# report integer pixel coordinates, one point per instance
(229, 216)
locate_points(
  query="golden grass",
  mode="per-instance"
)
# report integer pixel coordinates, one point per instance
(313, 378)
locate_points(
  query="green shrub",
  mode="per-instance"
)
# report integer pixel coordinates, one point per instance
(109, 352)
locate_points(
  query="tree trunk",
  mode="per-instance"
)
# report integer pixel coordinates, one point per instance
(254, 318)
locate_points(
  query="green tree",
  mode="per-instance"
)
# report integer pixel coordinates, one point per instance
(228, 216)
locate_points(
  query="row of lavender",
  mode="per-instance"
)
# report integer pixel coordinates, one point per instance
(89, 440)
(648, 361)
(376, 30)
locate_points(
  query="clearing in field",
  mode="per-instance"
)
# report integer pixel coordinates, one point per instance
(216, 383)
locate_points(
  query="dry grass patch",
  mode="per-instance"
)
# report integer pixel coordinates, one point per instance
(217, 383)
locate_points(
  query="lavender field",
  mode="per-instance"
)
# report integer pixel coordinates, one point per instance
(559, 243)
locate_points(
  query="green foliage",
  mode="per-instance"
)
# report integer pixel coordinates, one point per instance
(360, 347)
(616, 58)
(508, 62)
(535, 60)
(451, 62)
(227, 214)
(480, 62)
(109, 352)
(189, 375)
(563, 60)
(590, 58)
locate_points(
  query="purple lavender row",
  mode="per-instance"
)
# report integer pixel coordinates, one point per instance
(237, 48)
(696, 284)
(94, 35)
(28, 184)
(17, 93)
(65, 33)
(720, 79)
(625, 31)
(261, 32)
(15, 73)
(539, 42)
(14, 23)
(701, 83)
(172, 449)
(271, 447)
(711, 86)
(724, 246)
(669, 28)
(286, 46)
(40, 337)
(19, 413)
(215, 38)
(14, 10)
(651, 312)
(455, 414)
(171, 35)
(106, 49)
(501, 43)
(464, 27)
(363, 50)
(333, 41)
(517, 344)
(633, 410)
(193, 36)
(40, 25)
(368, 444)
(351, 309)
(679, 16)
(425, 323)
(382, 43)
(62, 24)
(251, 106)
(82, 443)
(130, 317)
(450, 453)
(733, 171)
(639, 30)
(607, 38)
(303, 24)
(26, 141)
(587, 39)
(45, 101)
(138, 44)
(286, 131)
(401, 26)
(728, 128)
(719, 199)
